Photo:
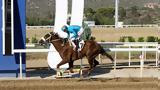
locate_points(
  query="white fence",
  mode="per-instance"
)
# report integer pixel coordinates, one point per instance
(124, 26)
(20, 51)
(38, 27)
(144, 49)
(96, 26)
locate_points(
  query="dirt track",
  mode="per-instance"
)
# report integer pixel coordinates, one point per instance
(78, 84)
(106, 34)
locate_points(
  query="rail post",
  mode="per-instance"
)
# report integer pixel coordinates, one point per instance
(157, 56)
(141, 63)
(20, 65)
(129, 63)
(115, 58)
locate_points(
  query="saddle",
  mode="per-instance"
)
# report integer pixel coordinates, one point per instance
(79, 44)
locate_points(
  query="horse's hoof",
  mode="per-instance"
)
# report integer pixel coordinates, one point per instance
(84, 73)
(68, 71)
(59, 74)
(71, 71)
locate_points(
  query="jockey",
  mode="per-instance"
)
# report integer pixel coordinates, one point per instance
(74, 32)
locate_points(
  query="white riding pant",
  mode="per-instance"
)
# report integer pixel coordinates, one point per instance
(80, 32)
(72, 39)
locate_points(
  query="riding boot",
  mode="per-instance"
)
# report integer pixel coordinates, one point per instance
(64, 42)
(77, 46)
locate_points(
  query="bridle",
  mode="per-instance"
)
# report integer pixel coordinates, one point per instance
(55, 40)
(49, 38)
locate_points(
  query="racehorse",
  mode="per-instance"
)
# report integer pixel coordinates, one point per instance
(91, 50)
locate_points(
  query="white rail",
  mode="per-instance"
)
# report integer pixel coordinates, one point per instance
(129, 49)
(125, 26)
(144, 48)
(95, 26)
(20, 51)
(38, 27)
(130, 43)
(31, 50)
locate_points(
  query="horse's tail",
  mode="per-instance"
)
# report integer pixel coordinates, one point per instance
(103, 52)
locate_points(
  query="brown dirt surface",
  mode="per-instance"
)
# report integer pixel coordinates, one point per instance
(81, 84)
(112, 35)
(106, 34)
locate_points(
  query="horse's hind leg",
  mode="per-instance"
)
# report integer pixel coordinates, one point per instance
(95, 63)
(91, 63)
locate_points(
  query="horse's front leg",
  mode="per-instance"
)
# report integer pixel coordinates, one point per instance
(71, 66)
(59, 72)
(62, 63)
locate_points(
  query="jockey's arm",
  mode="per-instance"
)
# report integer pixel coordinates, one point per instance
(74, 34)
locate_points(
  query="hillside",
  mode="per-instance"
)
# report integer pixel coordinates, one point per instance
(43, 8)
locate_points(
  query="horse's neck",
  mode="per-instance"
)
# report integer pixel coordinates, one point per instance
(58, 46)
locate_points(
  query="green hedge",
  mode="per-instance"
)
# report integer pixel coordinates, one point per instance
(140, 39)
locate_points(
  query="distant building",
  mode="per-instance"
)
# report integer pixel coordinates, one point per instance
(152, 5)
(90, 23)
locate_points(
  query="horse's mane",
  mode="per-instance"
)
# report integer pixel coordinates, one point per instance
(55, 34)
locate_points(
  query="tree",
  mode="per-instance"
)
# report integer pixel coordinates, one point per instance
(104, 16)
(122, 13)
(89, 14)
(107, 12)
(146, 19)
(134, 11)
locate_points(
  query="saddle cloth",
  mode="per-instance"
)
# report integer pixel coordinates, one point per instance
(81, 45)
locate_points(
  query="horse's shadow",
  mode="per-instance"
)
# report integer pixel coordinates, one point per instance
(40, 72)
(45, 72)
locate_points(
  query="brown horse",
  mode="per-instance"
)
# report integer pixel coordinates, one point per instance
(91, 49)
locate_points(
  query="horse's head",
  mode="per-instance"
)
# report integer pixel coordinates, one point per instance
(48, 38)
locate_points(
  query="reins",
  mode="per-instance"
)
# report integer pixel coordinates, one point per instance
(55, 40)
(49, 38)
(52, 40)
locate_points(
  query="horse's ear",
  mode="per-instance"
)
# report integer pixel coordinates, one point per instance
(52, 33)
(55, 33)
